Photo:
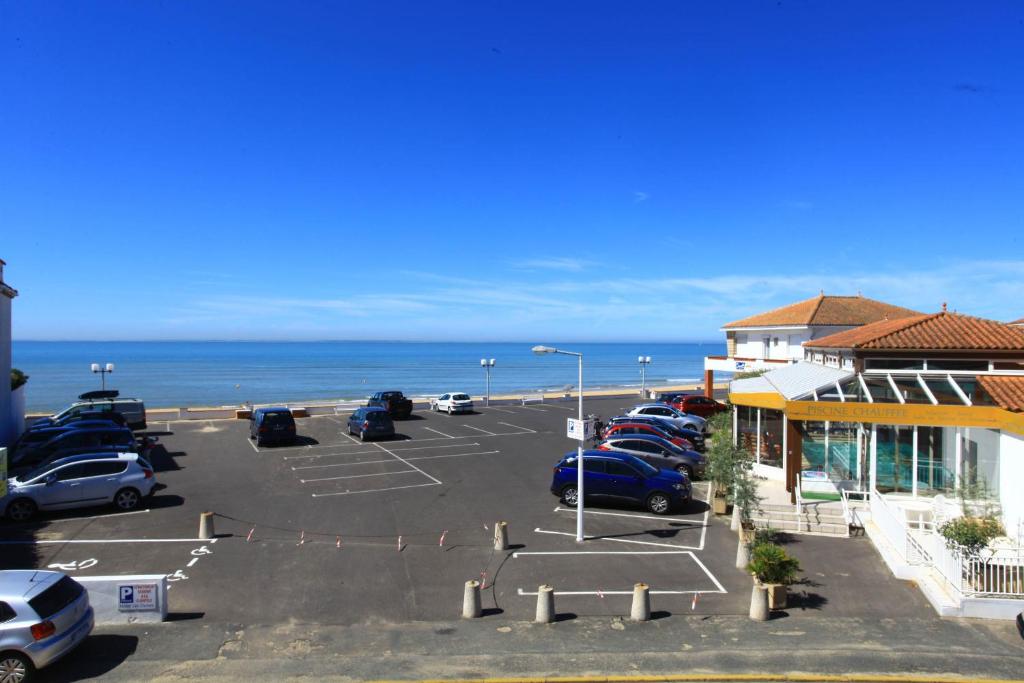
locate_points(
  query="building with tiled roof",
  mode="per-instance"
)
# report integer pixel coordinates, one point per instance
(774, 338)
(1019, 321)
(924, 415)
(7, 409)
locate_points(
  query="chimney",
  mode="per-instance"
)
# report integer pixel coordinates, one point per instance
(2, 264)
(943, 306)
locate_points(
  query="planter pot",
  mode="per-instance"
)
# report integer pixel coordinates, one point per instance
(719, 505)
(747, 535)
(776, 595)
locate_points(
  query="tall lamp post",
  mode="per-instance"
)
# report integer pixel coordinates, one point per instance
(103, 372)
(644, 362)
(539, 350)
(487, 365)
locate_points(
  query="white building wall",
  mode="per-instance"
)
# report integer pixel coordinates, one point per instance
(6, 428)
(1011, 481)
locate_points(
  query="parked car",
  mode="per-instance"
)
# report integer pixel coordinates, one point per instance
(80, 481)
(395, 402)
(107, 418)
(669, 414)
(627, 428)
(43, 616)
(452, 403)
(272, 425)
(615, 476)
(72, 442)
(669, 397)
(658, 452)
(371, 422)
(132, 409)
(698, 404)
(694, 437)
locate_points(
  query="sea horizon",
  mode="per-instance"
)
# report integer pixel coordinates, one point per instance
(179, 373)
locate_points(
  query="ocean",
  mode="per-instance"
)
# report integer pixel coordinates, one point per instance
(211, 373)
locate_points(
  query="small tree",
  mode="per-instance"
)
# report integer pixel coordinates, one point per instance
(970, 535)
(744, 489)
(772, 565)
(18, 379)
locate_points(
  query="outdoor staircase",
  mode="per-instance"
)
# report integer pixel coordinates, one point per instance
(814, 518)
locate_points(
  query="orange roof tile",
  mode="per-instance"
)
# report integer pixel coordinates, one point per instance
(1007, 392)
(826, 310)
(937, 331)
(1019, 321)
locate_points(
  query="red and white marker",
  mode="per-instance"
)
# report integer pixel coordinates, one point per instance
(600, 594)
(338, 544)
(302, 538)
(693, 605)
(443, 534)
(399, 544)
(248, 539)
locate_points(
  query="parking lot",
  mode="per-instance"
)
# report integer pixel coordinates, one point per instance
(334, 530)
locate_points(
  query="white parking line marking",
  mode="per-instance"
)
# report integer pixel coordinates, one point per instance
(111, 515)
(500, 410)
(328, 455)
(651, 592)
(426, 448)
(452, 455)
(358, 476)
(111, 540)
(626, 514)
(602, 552)
(525, 430)
(616, 540)
(398, 457)
(708, 572)
(529, 408)
(441, 433)
(343, 464)
(479, 430)
(393, 488)
(253, 444)
(192, 561)
(552, 405)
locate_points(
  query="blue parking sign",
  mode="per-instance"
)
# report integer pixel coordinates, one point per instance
(127, 596)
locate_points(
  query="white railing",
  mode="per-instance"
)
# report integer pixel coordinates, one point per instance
(995, 573)
(849, 514)
(888, 520)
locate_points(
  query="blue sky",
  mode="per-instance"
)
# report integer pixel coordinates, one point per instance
(503, 170)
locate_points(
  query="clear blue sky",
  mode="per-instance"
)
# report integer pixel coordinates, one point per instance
(503, 170)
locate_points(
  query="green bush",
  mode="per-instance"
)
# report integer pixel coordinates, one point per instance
(971, 534)
(18, 378)
(749, 374)
(771, 564)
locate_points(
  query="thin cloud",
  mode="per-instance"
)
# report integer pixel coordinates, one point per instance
(640, 197)
(564, 263)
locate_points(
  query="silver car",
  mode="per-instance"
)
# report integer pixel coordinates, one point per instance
(670, 414)
(79, 481)
(43, 616)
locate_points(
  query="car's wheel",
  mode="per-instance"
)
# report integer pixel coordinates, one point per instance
(687, 470)
(21, 510)
(362, 435)
(658, 503)
(127, 499)
(16, 668)
(449, 410)
(570, 495)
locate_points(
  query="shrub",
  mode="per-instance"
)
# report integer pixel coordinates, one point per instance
(971, 534)
(18, 378)
(771, 564)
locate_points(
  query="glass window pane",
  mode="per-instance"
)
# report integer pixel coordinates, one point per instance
(936, 460)
(771, 438)
(893, 364)
(980, 462)
(894, 458)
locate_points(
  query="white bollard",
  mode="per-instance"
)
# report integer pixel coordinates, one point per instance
(759, 603)
(742, 554)
(737, 519)
(545, 604)
(206, 525)
(641, 610)
(471, 608)
(501, 536)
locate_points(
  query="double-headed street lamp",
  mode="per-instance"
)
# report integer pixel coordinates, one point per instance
(487, 365)
(579, 453)
(644, 362)
(103, 371)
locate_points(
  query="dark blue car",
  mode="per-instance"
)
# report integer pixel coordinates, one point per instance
(612, 476)
(371, 422)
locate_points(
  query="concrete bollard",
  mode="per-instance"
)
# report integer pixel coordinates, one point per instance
(641, 610)
(206, 525)
(742, 554)
(545, 604)
(501, 536)
(759, 603)
(471, 608)
(737, 519)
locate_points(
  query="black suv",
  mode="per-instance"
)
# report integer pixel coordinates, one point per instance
(272, 425)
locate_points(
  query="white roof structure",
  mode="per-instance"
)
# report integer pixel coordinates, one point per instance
(792, 381)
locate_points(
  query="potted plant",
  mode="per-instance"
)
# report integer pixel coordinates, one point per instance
(775, 569)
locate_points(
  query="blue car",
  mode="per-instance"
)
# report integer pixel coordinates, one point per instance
(612, 476)
(371, 422)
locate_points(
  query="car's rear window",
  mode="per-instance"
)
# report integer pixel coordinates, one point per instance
(460, 397)
(377, 416)
(278, 419)
(56, 597)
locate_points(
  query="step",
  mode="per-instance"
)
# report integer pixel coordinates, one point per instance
(805, 516)
(791, 526)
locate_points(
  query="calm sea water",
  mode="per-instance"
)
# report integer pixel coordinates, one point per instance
(168, 374)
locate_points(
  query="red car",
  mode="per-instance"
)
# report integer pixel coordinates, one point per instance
(638, 428)
(696, 404)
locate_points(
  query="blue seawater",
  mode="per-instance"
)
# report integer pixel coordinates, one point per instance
(212, 373)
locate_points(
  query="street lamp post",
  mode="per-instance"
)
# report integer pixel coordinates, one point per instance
(579, 451)
(103, 371)
(644, 362)
(487, 365)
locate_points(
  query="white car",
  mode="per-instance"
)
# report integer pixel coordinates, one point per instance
(452, 403)
(669, 414)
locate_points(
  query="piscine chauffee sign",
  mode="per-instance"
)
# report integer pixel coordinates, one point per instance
(977, 416)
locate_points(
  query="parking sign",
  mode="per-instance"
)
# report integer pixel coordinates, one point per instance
(581, 430)
(136, 596)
